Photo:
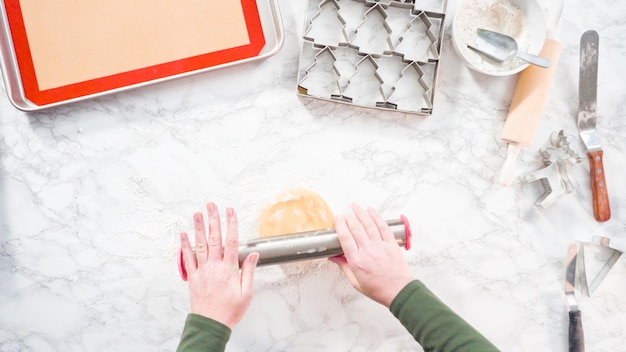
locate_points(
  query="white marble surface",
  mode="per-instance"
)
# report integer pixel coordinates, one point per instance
(93, 196)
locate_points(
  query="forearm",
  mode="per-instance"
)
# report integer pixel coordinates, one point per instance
(203, 334)
(433, 325)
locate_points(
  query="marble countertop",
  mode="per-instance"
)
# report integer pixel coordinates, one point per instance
(94, 194)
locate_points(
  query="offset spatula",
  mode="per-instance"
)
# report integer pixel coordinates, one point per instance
(576, 336)
(587, 117)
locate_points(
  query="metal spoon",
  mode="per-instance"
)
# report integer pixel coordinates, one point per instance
(501, 47)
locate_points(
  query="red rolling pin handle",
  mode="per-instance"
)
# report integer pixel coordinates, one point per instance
(407, 231)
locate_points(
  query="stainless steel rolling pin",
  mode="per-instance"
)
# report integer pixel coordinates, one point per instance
(305, 245)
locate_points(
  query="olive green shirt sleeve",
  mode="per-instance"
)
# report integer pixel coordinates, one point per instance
(203, 334)
(433, 325)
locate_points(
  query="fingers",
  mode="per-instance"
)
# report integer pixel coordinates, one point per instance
(247, 274)
(345, 236)
(201, 242)
(356, 229)
(231, 248)
(213, 249)
(383, 227)
(215, 233)
(372, 231)
(189, 259)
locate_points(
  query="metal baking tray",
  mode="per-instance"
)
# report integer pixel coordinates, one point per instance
(381, 54)
(271, 23)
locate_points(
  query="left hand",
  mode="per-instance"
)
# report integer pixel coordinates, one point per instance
(217, 289)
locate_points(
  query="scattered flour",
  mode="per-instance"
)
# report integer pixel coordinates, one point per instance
(496, 15)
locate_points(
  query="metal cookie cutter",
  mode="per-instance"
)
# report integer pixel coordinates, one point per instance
(553, 176)
(411, 100)
(321, 37)
(351, 47)
(600, 252)
(362, 40)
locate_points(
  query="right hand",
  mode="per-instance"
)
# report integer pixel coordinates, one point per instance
(372, 260)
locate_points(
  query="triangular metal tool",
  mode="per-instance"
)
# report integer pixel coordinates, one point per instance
(594, 261)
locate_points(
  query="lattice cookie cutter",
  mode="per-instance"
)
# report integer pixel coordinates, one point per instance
(343, 35)
(554, 176)
(378, 8)
(349, 36)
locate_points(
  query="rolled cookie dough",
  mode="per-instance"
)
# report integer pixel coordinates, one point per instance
(295, 211)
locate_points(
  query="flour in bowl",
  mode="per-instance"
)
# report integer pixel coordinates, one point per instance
(496, 15)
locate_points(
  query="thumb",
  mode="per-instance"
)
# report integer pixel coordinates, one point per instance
(339, 260)
(342, 263)
(247, 274)
(345, 267)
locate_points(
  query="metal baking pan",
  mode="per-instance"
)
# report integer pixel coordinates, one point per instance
(270, 21)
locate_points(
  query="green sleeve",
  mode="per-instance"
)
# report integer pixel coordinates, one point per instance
(203, 334)
(433, 325)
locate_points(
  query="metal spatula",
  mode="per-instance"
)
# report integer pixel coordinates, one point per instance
(576, 337)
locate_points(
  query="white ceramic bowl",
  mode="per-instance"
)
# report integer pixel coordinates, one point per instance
(530, 32)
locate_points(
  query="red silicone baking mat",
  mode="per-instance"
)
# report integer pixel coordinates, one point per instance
(71, 48)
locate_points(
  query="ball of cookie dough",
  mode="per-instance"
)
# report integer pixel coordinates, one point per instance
(295, 211)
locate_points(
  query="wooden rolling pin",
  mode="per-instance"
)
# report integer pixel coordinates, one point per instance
(529, 98)
(526, 109)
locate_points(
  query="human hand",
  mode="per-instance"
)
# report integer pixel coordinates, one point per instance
(372, 260)
(217, 289)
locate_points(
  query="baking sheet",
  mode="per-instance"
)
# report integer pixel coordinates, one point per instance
(55, 52)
